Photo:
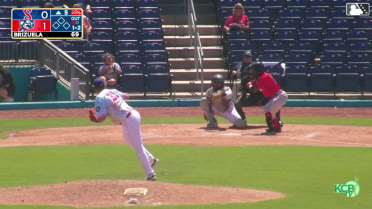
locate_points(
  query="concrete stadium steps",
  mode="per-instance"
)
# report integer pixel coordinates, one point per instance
(188, 63)
(192, 74)
(188, 52)
(182, 30)
(206, 40)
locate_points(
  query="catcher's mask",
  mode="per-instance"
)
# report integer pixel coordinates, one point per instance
(218, 82)
(257, 69)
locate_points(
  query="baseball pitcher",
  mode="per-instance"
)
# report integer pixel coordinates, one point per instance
(218, 101)
(111, 102)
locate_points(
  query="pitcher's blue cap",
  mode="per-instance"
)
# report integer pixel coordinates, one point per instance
(99, 83)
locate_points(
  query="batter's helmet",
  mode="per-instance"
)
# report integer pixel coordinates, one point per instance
(257, 69)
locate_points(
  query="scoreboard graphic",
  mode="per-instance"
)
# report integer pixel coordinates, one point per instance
(38, 23)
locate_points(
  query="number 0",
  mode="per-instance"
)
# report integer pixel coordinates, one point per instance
(44, 14)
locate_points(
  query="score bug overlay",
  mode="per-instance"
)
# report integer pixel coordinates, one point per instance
(41, 23)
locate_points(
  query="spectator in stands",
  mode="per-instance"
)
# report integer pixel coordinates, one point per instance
(110, 70)
(49, 5)
(87, 30)
(7, 86)
(238, 20)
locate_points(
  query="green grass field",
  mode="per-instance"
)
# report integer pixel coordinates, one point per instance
(307, 175)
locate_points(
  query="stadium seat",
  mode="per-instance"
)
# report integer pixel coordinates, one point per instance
(123, 4)
(129, 59)
(158, 83)
(127, 48)
(291, 14)
(271, 57)
(131, 68)
(91, 49)
(348, 82)
(146, 4)
(360, 47)
(261, 36)
(297, 4)
(312, 24)
(275, 4)
(318, 13)
(299, 59)
(363, 24)
(338, 24)
(320, 4)
(287, 36)
(296, 79)
(322, 79)
(148, 13)
(333, 36)
(124, 14)
(253, 4)
(157, 68)
(367, 82)
(310, 36)
(101, 14)
(275, 47)
(337, 59)
(257, 14)
(126, 36)
(155, 59)
(150, 24)
(132, 82)
(261, 25)
(303, 48)
(126, 25)
(358, 36)
(286, 24)
(335, 47)
(100, 4)
(29, 3)
(151, 36)
(359, 58)
(153, 47)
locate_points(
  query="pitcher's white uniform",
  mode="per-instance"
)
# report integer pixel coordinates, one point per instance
(111, 103)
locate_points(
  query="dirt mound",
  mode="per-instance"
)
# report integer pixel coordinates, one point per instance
(109, 193)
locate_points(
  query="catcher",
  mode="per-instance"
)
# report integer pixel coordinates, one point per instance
(218, 101)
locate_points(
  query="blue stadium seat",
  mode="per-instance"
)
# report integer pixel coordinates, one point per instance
(335, 47)
(153, 47)
(297, 4)
(132, 82)
(131, 68)
(148, 13)
(322, 79)
(124, 13)
(122, 4)
(358, 36)
(338, 24)
(299, 59)
(261, 25)
(275, 4)
(237, 35)
(312, 24)
(129, 59)
(146, 3)
(253, 4)
(296, 79)
(151, 36)
(310, 36)
(275, 47)
(155, 59)
(321, 4)
(261, 36)
(359, 58)
(257, 14)
(337, 59)
(291, 13)
(150, 69)
(348, 82)
(221, 4)
(271, 57)
(303, 48)
(333, 36)
(286, 24)
(101, 14)
(150, 24)
(70, 48)
(127, 48)
(287, 36)
(8, 4)
(360, 47)
(363, 24)
(126, 25)
(5, 13)
(92, 49)
(318, 13)
(100, 4)
(159, 83)
(102, 26)
(126, 36)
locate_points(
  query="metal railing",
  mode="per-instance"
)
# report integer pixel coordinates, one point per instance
(65, 67)
(195, 41)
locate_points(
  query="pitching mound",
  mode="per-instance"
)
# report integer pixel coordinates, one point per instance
(109, 193)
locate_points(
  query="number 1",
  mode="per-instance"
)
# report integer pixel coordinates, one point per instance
(44, 25)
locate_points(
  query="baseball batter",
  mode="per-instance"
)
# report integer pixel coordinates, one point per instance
(265, 83)
(218, 101)
(111, 102)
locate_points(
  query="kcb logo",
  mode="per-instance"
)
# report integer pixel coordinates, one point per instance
(351, 188)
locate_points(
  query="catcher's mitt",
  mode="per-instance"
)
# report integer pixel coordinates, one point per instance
(217, 94)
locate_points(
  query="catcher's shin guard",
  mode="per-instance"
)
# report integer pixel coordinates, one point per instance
(239, 109)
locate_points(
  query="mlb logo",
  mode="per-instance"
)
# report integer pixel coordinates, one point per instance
(357, 9)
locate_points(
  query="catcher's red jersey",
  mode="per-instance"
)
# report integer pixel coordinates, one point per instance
(267, 85)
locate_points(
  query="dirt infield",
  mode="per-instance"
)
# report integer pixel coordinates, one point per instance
(110, 192)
